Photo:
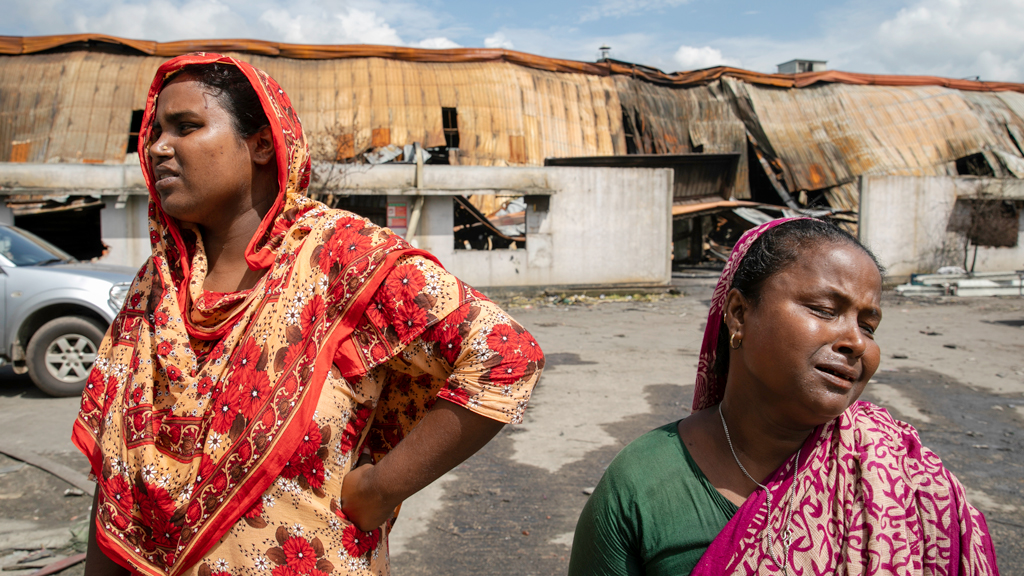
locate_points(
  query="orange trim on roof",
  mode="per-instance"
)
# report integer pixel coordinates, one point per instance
(16, 45)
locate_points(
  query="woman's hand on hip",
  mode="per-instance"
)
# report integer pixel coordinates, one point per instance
(447, 435)
(361, 500)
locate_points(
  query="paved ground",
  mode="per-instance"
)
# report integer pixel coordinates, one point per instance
(954, 369)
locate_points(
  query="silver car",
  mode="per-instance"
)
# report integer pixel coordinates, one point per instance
(55, 310)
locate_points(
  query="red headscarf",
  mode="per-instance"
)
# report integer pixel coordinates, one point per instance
(194, 406)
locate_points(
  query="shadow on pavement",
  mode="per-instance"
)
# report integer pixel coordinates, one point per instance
(17, 385)
(502, 517)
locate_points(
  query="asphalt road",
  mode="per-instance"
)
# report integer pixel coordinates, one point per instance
(954, 369)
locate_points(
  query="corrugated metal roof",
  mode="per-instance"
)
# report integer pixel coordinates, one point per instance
(63, 99)
(73, 106)
(20, 45)
(77, 106)
(825, 136)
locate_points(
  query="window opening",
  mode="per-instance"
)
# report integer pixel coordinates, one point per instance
(991, 223)
(133, 132)
(450, 124)
(974, 165)
(450, 127)
(630, 132)
(74, 225)
(503, 228)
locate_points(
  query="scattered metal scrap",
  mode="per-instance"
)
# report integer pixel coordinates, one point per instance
(59, 565)
(29, 204)
(966, 284)
(473, 230)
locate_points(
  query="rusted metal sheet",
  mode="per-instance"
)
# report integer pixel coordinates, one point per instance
(694, 175)
(682, 121)
(817, 133)
(825, 136)
(77, 106)
(690, 210)
(72, 106)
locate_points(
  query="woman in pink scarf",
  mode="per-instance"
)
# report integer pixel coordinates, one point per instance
(780, 470)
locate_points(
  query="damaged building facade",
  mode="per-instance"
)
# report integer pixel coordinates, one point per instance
(521, 149)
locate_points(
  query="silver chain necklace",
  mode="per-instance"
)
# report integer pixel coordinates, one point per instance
(787, 533)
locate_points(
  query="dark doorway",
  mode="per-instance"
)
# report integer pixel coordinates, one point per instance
(77, 231)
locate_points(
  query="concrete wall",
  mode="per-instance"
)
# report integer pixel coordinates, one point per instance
(599, 226)
(904, 220)
(585, 226)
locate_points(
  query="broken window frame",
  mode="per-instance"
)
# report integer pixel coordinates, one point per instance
(473, 230)
(450, 126)
(134, 129)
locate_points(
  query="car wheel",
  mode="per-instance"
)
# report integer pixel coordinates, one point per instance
(61, 353)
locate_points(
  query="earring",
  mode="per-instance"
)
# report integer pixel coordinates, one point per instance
(733, 343)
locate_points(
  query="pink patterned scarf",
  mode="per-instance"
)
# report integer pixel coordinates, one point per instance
(870, 498)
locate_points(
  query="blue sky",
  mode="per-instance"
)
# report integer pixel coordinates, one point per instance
(954, 38)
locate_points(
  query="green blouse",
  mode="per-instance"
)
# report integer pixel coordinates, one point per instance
(654, 512)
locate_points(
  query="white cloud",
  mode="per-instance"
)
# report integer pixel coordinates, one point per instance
(438, 43)
(399, 22)
(950, 38)
(955, 38)
(498, 40)
(192, 19)
(694, 58)
(616, 8)
(353, 26)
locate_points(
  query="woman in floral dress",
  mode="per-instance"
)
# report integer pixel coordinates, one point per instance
(268, 396)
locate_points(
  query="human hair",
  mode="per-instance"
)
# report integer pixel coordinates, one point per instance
(770, 254)
(236, 94)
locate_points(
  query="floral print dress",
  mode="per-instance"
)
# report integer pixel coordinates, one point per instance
(476, 356)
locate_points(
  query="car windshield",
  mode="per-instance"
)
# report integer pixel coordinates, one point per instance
(26, 249)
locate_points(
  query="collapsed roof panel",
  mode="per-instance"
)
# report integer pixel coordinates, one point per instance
(71, 99)
(827, 135)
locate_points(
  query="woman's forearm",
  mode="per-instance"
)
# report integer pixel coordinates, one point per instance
(96, 562)
(447, 435)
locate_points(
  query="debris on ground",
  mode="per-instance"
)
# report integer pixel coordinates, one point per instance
(551, 300)
(36, 564)
(36, 556)
(60, 565)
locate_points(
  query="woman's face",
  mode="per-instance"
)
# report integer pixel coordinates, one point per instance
(808, 345)
(202, 167)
